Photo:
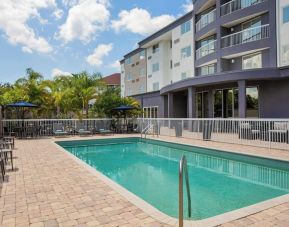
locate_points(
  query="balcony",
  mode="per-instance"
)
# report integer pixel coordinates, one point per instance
(206, 49)
(235, 5)
(245, 36)
(205, 20)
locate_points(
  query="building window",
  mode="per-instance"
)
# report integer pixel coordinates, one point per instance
(286, 14)
(156, 86)
(142, 55)
(285, 54)
(252, 98)
(207, 70)
(150, 112)
(252, 61)
(156, 67)
(226, 103)
(156, 48)
(184, 75)
(186, 52)
(186, 27)
(128, 61)
(141, 89)
(202, 104)
(129, 77)
(129, 92)
(142, 72)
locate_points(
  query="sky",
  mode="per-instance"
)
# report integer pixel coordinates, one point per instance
(56, 37)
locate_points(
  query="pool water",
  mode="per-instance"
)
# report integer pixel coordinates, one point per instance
(219, 181)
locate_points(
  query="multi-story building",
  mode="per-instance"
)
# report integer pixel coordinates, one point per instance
(133, 72)
(224, 59)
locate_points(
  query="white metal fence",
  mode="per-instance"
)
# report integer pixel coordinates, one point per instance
(267, 133)
(271, 133)
(46, 127)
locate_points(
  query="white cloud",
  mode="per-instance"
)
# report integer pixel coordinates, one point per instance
(70, 3)
(188, 6)
(96, 58)
(85, 18)
(58, 13)
(14, 17)
(58, 72)
(115, 65)
(140, 21)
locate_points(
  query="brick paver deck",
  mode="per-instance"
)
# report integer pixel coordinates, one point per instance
(48, 188)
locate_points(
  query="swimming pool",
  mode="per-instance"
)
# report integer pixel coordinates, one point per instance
(219, 181)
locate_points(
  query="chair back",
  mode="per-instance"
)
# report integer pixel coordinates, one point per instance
(281, 126)
(58, 127)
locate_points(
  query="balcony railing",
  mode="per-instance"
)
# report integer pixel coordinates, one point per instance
(206, 49)
(205, 20)
(235, 5)
(247, 35)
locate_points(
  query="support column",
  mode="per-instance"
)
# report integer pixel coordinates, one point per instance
(242, 98)
(170, 105)
(191, 102)
(211, 103)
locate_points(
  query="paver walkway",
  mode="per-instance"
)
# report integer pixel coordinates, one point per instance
(48, 188)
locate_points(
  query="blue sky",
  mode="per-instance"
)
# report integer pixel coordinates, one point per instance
(67, 36)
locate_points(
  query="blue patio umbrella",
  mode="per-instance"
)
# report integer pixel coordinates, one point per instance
(124, 108)
(22, 104)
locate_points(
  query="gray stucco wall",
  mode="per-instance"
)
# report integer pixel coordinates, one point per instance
(153, 99)
(274, 99)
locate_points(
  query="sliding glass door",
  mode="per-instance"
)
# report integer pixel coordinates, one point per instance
(226, 103)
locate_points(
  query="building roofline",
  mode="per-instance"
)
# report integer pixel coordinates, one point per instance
(167, 28)
(133, 52)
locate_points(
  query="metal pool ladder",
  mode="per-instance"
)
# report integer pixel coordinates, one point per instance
(183, 170)
(146, 130)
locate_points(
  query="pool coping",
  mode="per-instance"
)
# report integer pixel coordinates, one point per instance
(164, 218)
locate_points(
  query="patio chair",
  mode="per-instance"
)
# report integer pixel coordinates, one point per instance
(58, 130)
(5, 150)
(82, 130)
(279, 133)
(2, 166)
(247, 132)
(104, 131)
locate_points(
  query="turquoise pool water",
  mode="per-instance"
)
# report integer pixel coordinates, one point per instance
(219, 181)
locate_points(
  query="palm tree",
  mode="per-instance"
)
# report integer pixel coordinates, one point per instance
(87, 87)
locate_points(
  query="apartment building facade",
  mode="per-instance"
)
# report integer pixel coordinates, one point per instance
(224, 59)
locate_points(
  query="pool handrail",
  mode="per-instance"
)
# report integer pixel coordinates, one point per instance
(183, 168)
(146, 129)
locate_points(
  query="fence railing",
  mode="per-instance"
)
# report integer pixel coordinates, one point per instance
(205, 20)
(271, 133)
(245, 36)
(235, 5)
(267, 133)
(46, 127)
(206, 49)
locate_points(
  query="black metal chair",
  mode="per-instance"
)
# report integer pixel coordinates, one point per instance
(2, 166)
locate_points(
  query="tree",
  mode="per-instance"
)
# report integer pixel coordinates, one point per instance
(87, 87)
(111, 99)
